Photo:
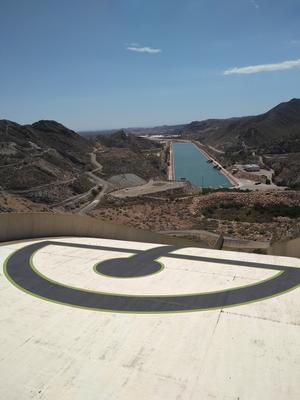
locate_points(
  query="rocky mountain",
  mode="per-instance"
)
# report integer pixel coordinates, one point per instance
(122, 139)
(156, 130)
(276, 131)
(273, 137)
(51, 157)
(127, 153)
(48, 164)
(43, 155)
(42, 135)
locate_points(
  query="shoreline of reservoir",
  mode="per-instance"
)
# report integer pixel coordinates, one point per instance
(171, 167)
(227, 174)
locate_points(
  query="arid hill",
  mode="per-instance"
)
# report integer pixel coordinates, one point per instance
(42, 135)
(275, 136)
(49, 164)
(272, 138)
(43, 155)
(123, 139)
(127, 153)
(276, 131)
(47, 167)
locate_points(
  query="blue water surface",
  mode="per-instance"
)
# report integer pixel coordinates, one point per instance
(191, 164)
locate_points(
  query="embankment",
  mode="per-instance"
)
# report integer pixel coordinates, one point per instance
(229, 176)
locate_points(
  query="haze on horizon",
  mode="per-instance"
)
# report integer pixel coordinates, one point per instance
(111, 64)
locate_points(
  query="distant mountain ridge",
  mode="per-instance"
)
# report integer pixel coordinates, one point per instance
(273, 135)
(128, 153)
(123, 139)
(46, 151)
(45, 134)
(47, 162)
(277, 130)
(156, 130)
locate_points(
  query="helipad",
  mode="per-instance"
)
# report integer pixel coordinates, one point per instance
(111, 320)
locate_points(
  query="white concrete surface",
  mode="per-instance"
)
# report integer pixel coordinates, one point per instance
(149, 188)
(50, 351)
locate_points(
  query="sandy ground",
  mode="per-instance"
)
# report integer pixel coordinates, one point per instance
(186, 214)
(11, 202)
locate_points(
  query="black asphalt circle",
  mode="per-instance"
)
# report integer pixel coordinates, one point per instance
(21, 273)
(139, 265)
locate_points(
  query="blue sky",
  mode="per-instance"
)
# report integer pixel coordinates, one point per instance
(98, 64)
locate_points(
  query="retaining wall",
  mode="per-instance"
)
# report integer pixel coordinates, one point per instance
(17, 226)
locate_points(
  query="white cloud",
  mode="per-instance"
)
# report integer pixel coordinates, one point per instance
(255, 4)
(295, 42)
(254, 69)
(149, 50)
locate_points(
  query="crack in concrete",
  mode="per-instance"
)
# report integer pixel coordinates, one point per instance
(262, 318)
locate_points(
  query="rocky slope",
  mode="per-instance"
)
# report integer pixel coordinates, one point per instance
(268, 216)
(274, 135)
(122, 139)
(276, 131)
(48, 164)
(43, 161)
(46, 150)
(127, 153)
(47, 167)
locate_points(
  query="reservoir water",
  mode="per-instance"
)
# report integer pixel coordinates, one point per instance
(191, 164)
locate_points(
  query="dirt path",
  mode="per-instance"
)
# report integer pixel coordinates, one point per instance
(41, 187)
(216, 150)
(106, 186)
(98, 167)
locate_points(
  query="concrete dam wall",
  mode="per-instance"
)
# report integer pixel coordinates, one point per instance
(16, 226)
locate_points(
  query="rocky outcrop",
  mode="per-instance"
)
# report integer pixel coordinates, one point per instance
(39, 154)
